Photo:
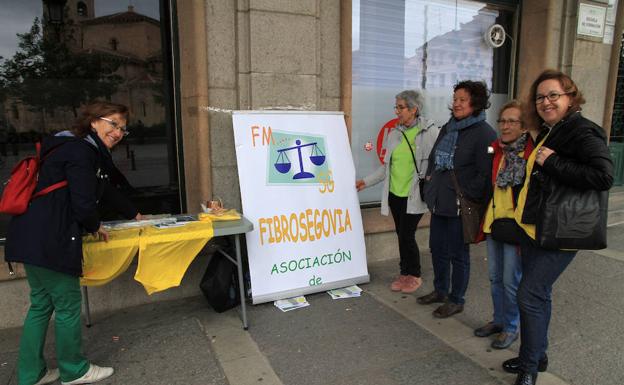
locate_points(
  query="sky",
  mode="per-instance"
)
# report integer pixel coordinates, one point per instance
(16, 16)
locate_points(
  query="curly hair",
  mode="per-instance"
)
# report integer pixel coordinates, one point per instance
(93, 111)
(568, 85)
(479, 95)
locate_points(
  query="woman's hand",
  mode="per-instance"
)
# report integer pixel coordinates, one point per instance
(138, 217)
(360, 185)
(102, 234)
(542, 154)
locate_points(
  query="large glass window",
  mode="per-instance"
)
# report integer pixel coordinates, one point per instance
(57, 55)
(426, 45)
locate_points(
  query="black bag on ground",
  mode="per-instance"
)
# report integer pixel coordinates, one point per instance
(219, 283)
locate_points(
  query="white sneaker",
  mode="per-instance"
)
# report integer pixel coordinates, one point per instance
(94, 374)
(49, 377)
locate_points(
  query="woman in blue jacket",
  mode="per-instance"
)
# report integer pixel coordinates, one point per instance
(461, 149)
(47, 239)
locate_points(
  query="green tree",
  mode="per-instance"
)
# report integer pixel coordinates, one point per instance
(46, 74)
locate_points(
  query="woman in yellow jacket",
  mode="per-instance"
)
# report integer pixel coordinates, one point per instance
(502, 233)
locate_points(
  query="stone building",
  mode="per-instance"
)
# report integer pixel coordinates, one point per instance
(308, 54)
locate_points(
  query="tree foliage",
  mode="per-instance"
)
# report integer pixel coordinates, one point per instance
(46, 74)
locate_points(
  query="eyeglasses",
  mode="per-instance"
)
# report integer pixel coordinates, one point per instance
(511, 122)
(553, 97)
(115, 125)
(400, 108)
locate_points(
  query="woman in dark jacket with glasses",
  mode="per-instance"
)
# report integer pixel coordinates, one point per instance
(572, 151)
(462, 150)
(47, 239)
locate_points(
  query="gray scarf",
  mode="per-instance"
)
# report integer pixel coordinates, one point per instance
(512, 173)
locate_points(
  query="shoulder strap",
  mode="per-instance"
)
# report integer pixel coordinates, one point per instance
(456, 184)
(49, 189)
(412, 151)
(40, 160)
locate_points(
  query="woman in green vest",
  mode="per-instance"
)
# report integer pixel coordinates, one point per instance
(407, 152)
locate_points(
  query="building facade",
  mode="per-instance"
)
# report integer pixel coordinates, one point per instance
(344, 55)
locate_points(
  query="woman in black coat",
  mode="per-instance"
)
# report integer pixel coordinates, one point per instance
(47, 239)
(461, 149)
(572, 151)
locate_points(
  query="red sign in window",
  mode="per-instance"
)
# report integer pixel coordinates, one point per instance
(381, 138)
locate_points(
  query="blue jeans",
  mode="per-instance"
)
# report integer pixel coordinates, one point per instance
(448, 251)
(505, 271)
(540, 270)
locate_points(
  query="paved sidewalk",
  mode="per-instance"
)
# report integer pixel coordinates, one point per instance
(381, 338)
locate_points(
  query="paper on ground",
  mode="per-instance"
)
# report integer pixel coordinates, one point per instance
(291, 303)
(345, 292)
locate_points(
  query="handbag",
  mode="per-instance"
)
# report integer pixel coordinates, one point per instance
(573, 219)
(471, 213)
(421, 181)
(506, 230)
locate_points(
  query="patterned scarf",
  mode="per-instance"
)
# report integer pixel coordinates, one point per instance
(445, 150)
(512, 173)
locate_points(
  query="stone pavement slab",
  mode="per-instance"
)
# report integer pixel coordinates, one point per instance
(356, 341)
(155, 344)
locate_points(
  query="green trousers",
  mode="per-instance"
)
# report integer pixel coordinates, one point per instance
(51, 291)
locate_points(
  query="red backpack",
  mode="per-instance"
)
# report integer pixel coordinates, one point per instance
(18, 190)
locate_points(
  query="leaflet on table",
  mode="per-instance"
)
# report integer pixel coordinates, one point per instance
(159, 220)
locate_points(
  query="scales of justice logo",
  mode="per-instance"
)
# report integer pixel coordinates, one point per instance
(296, 159)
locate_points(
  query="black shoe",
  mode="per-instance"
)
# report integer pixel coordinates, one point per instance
(448, 309)
(513, 365)
(526, 379)
(488, 330)
(432, 297)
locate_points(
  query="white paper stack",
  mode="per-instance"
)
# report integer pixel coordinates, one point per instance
(289, 304)
(345, 292)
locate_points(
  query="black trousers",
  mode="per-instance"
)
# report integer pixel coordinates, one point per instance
(405, 225)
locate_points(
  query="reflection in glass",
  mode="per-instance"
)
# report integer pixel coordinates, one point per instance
(59, 54)
(426, 45)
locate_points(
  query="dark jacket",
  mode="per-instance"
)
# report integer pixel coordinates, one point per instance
(472, 164)
(49, 233)
(581, 160)
(113, 187)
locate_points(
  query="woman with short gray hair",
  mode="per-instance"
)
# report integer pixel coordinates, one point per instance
(406, 160)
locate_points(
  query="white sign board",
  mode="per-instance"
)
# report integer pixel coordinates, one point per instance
(591, 20)
(297, 182)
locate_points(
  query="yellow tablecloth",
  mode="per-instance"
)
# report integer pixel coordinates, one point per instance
(225, 215)
(164, 254)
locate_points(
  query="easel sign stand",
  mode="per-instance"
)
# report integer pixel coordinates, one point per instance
(297, 182)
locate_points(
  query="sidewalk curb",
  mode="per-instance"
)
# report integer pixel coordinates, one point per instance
(237, 353)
